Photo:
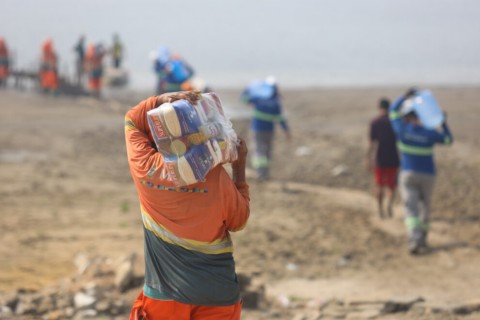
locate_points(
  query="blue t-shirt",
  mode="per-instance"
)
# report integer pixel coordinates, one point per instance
(267, 112)
(415, 142)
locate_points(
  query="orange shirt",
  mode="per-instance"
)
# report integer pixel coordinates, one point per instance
(204, 214)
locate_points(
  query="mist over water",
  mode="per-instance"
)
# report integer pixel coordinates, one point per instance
(302, 43)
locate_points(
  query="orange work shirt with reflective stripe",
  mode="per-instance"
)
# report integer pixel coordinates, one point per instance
(200, 216)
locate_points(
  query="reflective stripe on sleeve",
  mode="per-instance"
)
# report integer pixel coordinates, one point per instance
(414, 223)
(129, 125)
(414, 150)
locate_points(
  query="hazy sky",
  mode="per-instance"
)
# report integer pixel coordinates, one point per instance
(303, 42)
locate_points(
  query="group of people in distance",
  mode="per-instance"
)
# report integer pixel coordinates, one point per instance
(398, 129)
(172, 71)
(89, 60)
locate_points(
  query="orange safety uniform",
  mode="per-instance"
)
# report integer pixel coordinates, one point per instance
(48, 71)
(94, 65)
(188, 250)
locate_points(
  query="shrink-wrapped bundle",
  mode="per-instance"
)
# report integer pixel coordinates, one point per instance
(193, 138)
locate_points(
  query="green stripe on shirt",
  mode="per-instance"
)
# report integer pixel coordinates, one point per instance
(266, 116)
(417, 151)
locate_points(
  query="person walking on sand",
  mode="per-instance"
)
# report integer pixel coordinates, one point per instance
(265, 98)
(4, 63)
(189, 265)
(49, 68)
(382, 158)
(117, 52)
(80, 60)
(94, 66)
(417, 170)
(174, 73)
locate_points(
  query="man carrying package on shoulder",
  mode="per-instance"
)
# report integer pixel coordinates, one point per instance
(189, 265)
(265, 98)
(417, 171)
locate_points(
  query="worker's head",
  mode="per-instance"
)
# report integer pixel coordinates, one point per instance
(47, 45)
(271, 80)
(383, 105)
(408, 113)
(176, 56)
(411, 92)
(412, 118)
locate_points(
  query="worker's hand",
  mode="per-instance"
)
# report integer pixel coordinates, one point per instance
(192, 96)
(242, 151)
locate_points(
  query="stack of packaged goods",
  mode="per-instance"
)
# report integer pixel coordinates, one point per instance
(192, 138)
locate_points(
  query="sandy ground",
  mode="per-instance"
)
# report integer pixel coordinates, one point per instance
(66, 189)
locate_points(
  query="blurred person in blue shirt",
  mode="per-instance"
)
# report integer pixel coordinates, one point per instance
(265, 98)
(173, 72)
(417, 169)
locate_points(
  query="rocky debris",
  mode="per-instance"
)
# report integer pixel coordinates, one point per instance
(102, 289)
(340, 170)
(401, 304)
(466, 308)
(124, 276)
(252, 291)
(95, 292)
(409, 307)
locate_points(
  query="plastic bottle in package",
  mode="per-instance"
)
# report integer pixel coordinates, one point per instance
(192, 138)
(428, 110)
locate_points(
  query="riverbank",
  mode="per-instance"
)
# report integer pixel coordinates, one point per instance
(313, 233)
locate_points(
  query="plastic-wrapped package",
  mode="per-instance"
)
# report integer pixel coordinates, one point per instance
(427, 109)
(192, 138)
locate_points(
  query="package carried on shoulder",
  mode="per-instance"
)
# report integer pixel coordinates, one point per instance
(427, 109)
(193, 138)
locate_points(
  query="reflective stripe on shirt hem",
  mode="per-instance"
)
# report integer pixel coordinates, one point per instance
(214, 247)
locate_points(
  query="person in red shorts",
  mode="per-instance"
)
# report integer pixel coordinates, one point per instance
(382, 158)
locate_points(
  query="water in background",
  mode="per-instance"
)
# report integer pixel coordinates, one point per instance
(302, 43)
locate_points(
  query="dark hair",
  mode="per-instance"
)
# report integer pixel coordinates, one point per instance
(411, 92)
(384, 103)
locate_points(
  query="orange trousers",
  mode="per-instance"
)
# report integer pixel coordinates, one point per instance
(3, 72)
(145, 308)
(95, 84)
(49, 79)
